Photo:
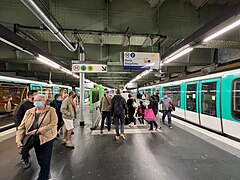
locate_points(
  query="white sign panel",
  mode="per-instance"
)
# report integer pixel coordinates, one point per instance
(141, 60)
(89, 68)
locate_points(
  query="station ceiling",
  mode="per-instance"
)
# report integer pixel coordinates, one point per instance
(102, 25)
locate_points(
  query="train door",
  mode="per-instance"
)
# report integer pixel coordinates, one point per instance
(191, 102)
(209, 104)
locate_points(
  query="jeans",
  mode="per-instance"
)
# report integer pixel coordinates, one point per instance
(44, 154)
(105, 115)
(121, 120)
(168, 113)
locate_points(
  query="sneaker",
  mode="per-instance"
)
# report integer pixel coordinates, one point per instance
(70, 144)
(64, 141)
(122, 135)
(170, 127)
(101, 131)
(150, 129)
(26, 165)
(117, 137)
(156, 128)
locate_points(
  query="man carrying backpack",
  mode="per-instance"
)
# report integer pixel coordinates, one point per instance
(23, 107)
(118, 110)
(167, 106)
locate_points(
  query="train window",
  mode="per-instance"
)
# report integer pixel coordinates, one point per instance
(236, 99)
(174, 93)
(209, 98)
(191, 97)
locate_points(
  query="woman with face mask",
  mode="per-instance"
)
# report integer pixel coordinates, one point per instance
(40, 123)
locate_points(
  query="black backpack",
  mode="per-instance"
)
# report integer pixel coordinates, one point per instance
(118, 108)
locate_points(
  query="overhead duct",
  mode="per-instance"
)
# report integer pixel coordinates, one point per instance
(32, 6)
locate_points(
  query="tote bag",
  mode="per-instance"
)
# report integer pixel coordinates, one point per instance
(149, 115)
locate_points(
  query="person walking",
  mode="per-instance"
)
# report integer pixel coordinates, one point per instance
(56, 104)
(154, 106)
(140, 112)
(166, 103)
(23, 107)
(131, 109)
(68, 110)
(40, 125)
(105, 105)
(118, 110)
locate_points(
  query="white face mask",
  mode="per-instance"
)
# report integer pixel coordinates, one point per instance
(165, 96)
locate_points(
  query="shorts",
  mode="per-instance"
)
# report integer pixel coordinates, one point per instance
(68, 123)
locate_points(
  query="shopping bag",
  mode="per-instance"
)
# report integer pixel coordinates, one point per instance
(149, 115)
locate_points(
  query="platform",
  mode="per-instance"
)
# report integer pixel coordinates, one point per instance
(168, 154)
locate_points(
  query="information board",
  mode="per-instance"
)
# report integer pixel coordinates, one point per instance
(141, 60)
(89, 68)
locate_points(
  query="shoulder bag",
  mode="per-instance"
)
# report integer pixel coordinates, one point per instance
(28, 140)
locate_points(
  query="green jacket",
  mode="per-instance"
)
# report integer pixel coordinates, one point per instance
(67, 109)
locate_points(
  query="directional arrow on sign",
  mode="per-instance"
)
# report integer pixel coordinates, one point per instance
(104, 68)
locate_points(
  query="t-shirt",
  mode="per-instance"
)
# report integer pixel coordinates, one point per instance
(35, 122)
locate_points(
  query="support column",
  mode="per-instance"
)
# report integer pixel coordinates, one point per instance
(81, 86)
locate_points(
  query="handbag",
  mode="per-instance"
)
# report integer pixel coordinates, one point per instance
(149, 115)
(30, 139)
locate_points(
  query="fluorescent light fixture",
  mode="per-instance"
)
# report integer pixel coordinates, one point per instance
(76, 76)
(48, 62)
(144, 73)
(66, 70)
(15, 46)
(218, 33)
(172, 58)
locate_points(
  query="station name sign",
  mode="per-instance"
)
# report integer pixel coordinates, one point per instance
(88, 67)
(140, 60)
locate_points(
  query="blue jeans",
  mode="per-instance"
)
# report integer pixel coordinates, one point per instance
(44, 154)
(168, 113)
(105, 115)
(116, 121)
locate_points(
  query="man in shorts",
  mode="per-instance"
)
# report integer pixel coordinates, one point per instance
(68, 109)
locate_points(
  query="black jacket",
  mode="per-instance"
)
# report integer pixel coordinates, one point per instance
(21, 110)
(154, 106)
(115, 99)
(57, 105)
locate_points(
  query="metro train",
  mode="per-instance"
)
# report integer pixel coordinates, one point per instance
(211, 101)
(14, 90)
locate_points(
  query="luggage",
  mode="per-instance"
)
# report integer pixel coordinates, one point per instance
(149, 115)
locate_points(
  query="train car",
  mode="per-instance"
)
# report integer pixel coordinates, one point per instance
(211, 101)
(14, 90)
(86, 94)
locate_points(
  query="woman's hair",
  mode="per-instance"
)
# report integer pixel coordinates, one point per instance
(129, 95)
(42, 96)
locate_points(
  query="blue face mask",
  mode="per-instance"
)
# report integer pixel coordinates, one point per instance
(59, 99)
(38, 103)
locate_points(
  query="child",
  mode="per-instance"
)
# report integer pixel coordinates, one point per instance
(140, 112)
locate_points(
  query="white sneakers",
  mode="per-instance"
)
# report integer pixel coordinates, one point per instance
(70, 144)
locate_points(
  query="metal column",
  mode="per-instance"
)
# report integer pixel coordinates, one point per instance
(81, 86)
